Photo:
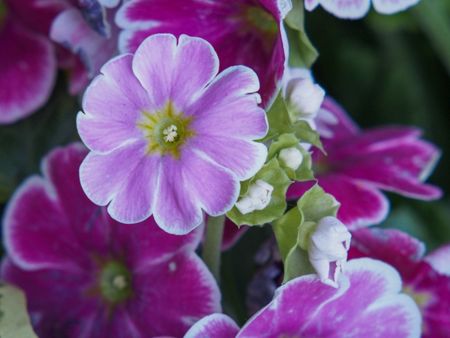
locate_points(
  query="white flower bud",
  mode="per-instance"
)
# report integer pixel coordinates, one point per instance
(257, 198)
(305, 96)
(328, 248)
(291, 157)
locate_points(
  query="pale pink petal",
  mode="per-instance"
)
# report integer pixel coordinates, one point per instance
(393, 6)
(28, 68)
(33, 219)
(244, 163)
(112, 105)
(216, 325)
(126, 177)
(181, 291)
(153, 65)
(347, 9)
(311, 4)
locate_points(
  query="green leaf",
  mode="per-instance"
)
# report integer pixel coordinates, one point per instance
(302, 51)
(14, 320)
(304, 172)
(274, 175)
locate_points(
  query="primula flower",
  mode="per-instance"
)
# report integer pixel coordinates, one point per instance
(355, 9)
(360, 163)
(27, 61)
(87, 30)
(367, 304)
(426, 279)
(163, 128)
(85, 275)
(247, 32)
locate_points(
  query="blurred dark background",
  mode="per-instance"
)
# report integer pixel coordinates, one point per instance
(382, 69)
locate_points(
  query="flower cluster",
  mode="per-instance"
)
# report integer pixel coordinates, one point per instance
(197, 128)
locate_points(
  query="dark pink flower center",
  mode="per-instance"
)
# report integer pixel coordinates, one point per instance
(115, 282)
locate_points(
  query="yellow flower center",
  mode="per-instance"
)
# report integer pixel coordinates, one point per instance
(166, 130)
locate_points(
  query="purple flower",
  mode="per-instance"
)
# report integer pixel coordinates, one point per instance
(360, 163)
(368, 304)
(27, 60)
(164, 129)
(87, 30)
(85, 275)
(426, 279)
(355, 9)
(248, 32)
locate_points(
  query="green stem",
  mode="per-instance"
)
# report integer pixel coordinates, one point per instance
(213, 243)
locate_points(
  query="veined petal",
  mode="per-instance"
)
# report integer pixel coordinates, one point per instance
(28, 68)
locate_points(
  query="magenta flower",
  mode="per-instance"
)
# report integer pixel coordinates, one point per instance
(86, 275)
(163, 128)
(367, 304)
(356, 9)
(360, 163)
(27, 60)
(426, 279)
(247, 32)
(87, 30)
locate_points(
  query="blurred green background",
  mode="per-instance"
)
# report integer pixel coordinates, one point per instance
(382, 69)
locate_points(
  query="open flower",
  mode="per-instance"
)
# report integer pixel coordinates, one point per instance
(360, 163)
(327, 250)
(355, 9)
(86, 275)
(163, 128)
(426, 279)
(27, 61)
(368, 304)
(247, 32)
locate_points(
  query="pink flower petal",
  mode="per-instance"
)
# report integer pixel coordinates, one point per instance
(231, 234)
(102, 179)
(112, 105)
(367, 303)
(34, 216)
(311, 4)
(28, 68)
(228, 107)
(439, 259)
(393, 6)
(204, 186)
(333, 118)
(216, 325)
(167, 307)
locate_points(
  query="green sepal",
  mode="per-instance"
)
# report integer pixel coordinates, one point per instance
(304, 171)
(274, 175)
(278, 118)
(294, 230)
(14, 319)
(305, 133)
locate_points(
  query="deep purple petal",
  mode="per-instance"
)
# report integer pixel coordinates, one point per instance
(231, 234)
(57, 301)
(28, 68)
(37, 231)
(216, 325)
(181, 292)
(112, 105)
(393, 6)
(367, 303)
(333, 118)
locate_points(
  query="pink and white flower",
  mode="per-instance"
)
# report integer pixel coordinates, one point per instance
(86, 275)
(356, 9)
(360, 163)
(163, 129)
(425, 278)
(27, 61)
(247, 32)
(368, 304)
